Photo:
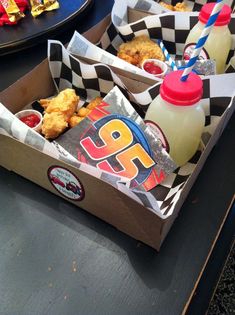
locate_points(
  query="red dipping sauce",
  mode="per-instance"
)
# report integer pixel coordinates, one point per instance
(151, 68)
(30, 120)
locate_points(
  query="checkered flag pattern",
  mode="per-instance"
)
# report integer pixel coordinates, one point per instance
(80, 46)
(231, 66)
(120, 7)
(98, 79)
(88, 81)
(13, 127)
(216, 104)
(197, 4)
(172, 28)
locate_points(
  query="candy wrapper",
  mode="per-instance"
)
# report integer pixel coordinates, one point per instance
(12, 11)
(39, 6)
(114, 138)
(51, 5)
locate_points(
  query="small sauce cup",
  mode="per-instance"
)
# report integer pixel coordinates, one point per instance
(155, 67)
(32, 118)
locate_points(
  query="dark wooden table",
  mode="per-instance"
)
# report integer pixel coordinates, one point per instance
(57, 259)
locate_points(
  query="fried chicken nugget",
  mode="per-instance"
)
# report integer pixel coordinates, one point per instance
(95, 102)
(84, 111)
(139, 49)
(58, 110)
(167, 6)
(181, 7)
(75, 120)
(129, 57)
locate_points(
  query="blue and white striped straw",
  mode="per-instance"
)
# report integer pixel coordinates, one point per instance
(167, 55)
(202, 39)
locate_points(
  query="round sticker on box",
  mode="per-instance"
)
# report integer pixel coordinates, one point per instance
(66, 183)
(157, 131)
(189, 49)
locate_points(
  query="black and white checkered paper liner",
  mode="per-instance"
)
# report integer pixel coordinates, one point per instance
(231, 66)
(172, 28)
(66, 71)
(92, 80)
(120, 7)
(197, 4)
(80, 46)
(13, 127)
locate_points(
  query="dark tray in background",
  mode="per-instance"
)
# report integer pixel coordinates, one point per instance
(30, 31)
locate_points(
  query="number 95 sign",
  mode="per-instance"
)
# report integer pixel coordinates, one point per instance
(116, 144)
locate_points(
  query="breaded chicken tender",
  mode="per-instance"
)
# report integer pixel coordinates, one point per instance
(84, 111)
(58, 111)
(139, 49)
(65, 102)
(53, 125)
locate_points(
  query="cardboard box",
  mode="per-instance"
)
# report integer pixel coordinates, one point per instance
(101, 199)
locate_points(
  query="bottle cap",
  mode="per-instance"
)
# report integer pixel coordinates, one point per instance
(223, 18)
(180, 93)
